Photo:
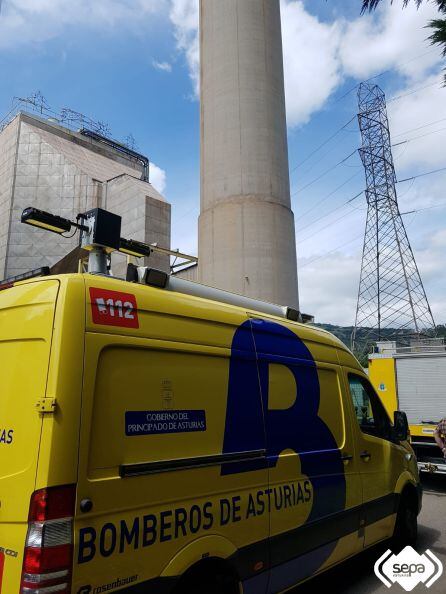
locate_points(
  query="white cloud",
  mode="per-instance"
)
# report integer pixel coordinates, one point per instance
(430, 260)
(307, 41)
(415, 110)
(318, 55)
(157, 178)
(438, 239)
(163, 66)
(389, 39)
(312, 66)
(34, 21)
(329, 282)
(328, 288)
(424, 192)
(184, 15)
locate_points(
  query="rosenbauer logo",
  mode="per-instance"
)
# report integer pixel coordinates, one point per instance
(408, 568)
(113, 308)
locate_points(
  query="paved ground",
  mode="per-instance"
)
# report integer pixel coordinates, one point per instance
(357, 576)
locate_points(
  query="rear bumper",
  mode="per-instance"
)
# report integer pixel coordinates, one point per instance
(429, 458)
(432, 467)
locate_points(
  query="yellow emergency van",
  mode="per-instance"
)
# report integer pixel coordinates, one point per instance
(157, 441)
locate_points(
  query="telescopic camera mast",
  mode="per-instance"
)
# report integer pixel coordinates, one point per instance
(100, 235)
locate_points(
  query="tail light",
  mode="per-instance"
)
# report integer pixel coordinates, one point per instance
(48, 559)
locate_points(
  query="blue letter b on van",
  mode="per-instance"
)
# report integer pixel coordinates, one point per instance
(251, 426)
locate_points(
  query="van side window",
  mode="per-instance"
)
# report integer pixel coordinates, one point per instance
(369, 410)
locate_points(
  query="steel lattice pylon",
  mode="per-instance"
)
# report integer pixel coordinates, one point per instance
(391, 293)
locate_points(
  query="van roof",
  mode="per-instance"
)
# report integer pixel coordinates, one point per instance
(319, 335)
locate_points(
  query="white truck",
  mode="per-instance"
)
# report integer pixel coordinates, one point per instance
(413, 379)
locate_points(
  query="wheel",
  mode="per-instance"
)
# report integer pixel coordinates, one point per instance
(211, 581)
(406, 525)
(216, 586)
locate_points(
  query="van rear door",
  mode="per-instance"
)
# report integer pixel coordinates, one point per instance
(26, 326)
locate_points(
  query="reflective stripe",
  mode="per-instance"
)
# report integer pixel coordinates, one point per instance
(37, 578)
(45, 590)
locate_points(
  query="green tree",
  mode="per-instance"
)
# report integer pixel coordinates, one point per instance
(438, 25)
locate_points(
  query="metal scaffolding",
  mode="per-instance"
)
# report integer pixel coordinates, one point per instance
(391, 293)
(74, 120)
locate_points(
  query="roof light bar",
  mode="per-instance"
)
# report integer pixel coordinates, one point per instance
(45, 220)
(135, 248)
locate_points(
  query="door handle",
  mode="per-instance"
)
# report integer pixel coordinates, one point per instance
(346, 457)
(365, 455)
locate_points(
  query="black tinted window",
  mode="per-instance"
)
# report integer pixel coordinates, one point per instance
(370, 413)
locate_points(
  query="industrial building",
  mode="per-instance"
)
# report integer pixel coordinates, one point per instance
(50, 167)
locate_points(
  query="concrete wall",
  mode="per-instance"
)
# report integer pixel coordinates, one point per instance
(8, 157)
(51, 168)
(45, 179)
(246, 228)
(190, 273)
(146, 217)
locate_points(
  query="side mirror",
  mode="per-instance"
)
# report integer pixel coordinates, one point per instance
(400, 426)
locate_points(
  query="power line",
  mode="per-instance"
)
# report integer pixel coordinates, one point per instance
(399, 65)
(398, 97)
(328, 195)
(344, 204)
(325, 254)
(400, 181)
(361, 235)
(419, 128)
(420, 136)
(351, 154)
(316, 150)
(338, 99)
(332, 211)
(319, 177)
(329, 224)
(325, 216)
(302, 174)
(441, 205)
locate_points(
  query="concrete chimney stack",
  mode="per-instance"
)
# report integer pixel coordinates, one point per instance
(246, 229)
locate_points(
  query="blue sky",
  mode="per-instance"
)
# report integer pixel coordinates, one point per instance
(134, 64)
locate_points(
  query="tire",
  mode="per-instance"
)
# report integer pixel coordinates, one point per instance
(215, 584)
(406, 526)
(214, 587)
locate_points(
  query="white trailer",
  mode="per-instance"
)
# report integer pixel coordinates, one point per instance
(413, 379)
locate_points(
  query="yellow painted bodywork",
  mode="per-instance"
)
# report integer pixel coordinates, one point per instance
(382, 374)
(26, 325)
(178, 358)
